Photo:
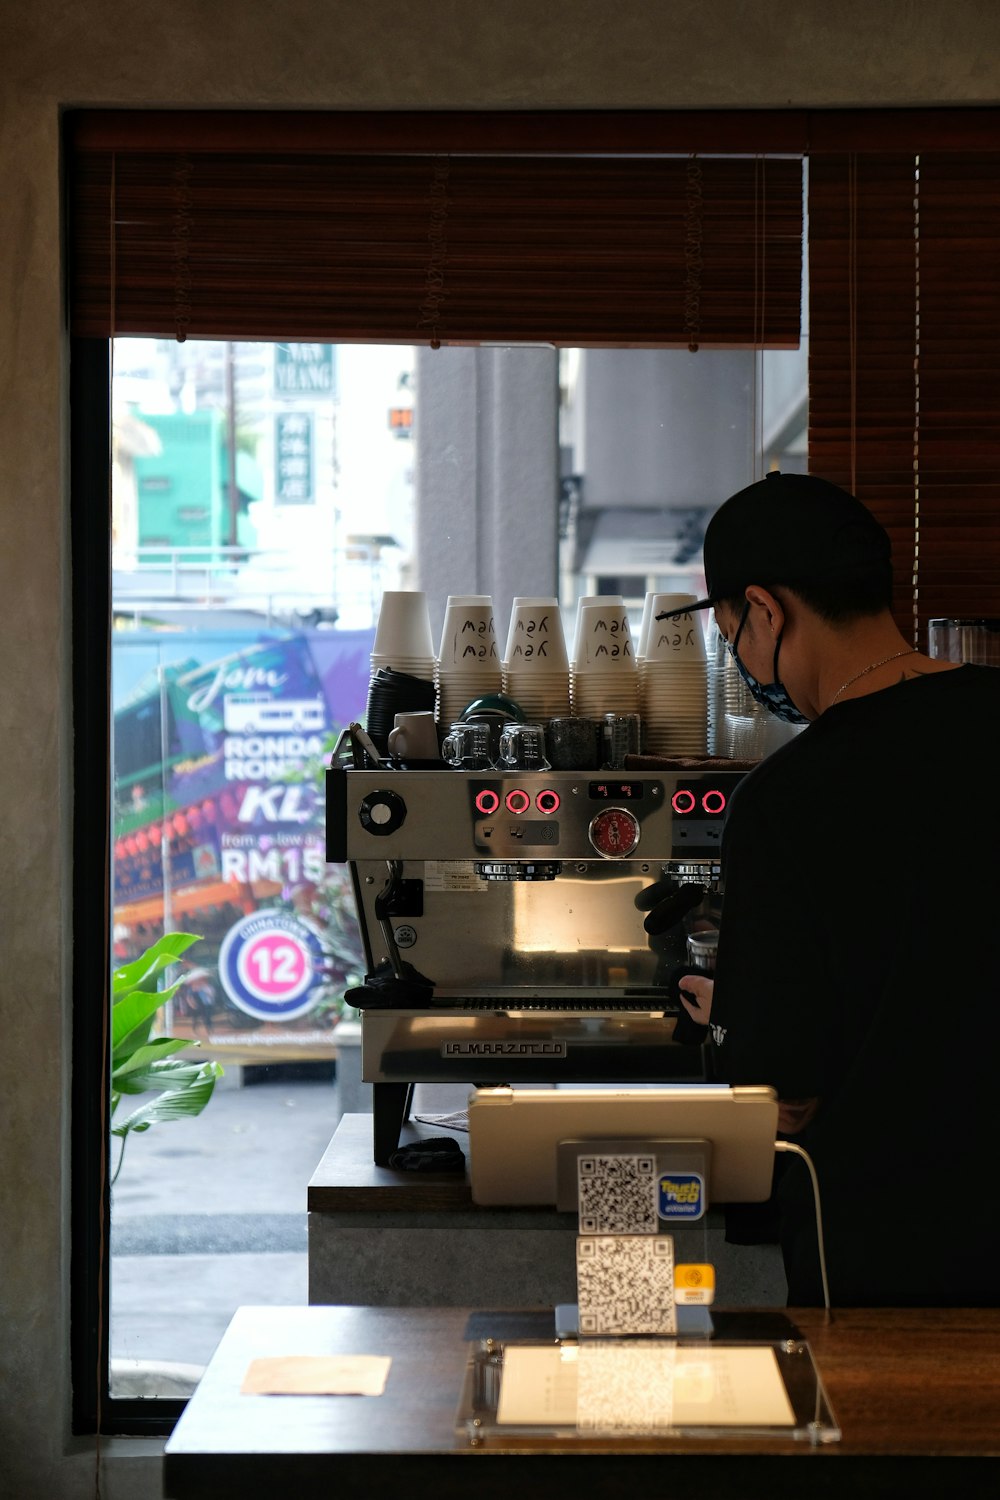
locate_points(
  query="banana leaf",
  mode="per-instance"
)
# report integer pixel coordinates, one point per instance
(172, 1073)
(138, 1061)
(175, 1104)
(142, 1063)
(134, 1010)
(143, 971)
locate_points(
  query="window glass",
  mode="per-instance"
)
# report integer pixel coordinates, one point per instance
(262, 499)
(264, 496)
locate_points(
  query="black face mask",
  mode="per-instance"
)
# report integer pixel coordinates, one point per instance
(770, 695)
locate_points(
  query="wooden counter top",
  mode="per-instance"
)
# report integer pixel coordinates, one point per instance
(916, 1394)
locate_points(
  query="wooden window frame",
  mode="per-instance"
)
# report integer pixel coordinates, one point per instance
(810, 133)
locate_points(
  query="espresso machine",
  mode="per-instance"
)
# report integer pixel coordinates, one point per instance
(498, 911)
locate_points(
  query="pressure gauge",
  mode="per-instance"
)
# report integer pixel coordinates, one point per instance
(614, 833)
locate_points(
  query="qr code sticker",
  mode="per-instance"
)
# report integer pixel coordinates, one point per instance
(625, 1284)
(617, 1194)
(625, 1387)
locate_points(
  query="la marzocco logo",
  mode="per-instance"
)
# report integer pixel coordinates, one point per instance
(503, 1049)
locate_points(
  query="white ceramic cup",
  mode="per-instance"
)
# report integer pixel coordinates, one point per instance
(414, 736)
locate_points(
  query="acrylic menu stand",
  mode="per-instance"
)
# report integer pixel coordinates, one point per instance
(627, 1364)
(626, 1198)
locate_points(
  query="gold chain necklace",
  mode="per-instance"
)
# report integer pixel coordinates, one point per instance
(911, 651)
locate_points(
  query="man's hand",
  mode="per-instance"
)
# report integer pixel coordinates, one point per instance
(696, 991)
(667, 903)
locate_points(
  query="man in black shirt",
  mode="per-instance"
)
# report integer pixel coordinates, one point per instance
(858, 966)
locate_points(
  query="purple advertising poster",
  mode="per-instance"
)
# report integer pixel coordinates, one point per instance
(221, 741)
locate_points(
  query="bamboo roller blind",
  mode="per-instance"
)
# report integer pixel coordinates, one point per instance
(904, 364)
(566, 249)
(377, 228)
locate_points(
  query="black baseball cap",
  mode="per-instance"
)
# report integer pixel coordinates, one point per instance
(790, 529)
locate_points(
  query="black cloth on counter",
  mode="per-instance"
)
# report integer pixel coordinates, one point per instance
(859, 963)
(438, 1153)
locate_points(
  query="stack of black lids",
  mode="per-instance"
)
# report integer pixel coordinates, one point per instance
(391, 693)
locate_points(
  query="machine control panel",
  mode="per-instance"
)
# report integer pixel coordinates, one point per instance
(699, 813)
(490, 815)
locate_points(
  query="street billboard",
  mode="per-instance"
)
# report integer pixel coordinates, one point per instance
(220, 743)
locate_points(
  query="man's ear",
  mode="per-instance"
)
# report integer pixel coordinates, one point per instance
(767, 607)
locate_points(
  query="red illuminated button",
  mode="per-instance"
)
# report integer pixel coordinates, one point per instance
(547, 801)
(614, 833)
(517, 801)
(683, 802)
(487, 801)
(714, 802)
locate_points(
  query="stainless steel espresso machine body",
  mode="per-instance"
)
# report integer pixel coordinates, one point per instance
(499, 918)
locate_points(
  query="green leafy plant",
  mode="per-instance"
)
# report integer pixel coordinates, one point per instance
(142, 1063)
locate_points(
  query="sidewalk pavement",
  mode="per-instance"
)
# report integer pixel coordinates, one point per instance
(207, 1215)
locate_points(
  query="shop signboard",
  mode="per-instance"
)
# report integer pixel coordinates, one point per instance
(305, 370)
(293, 458)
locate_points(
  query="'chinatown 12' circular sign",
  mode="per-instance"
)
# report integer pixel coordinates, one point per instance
(270, 965)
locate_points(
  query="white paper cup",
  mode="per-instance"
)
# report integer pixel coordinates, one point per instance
(678, 638)
(467, 684)
(404, 626)
(416, 666)
(584, 602)
(543, 705)
(640, 649)
(535, 639)
(592, 700)
(476, 686)
(603, 639)
(655, 604)
(468, 637)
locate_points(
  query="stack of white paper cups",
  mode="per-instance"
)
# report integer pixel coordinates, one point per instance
(603, 677)
(535, 662)
(403, 634)
(640, 645)
(673, 680)
(468, 663)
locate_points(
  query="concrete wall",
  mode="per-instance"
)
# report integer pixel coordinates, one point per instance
(663, 427)
(486, 477)
(315, 54)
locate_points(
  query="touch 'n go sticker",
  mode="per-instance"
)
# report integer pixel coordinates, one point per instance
(680, 1196)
